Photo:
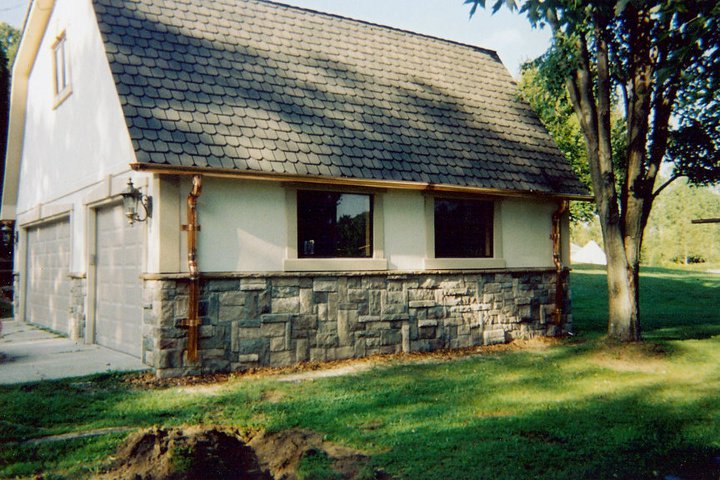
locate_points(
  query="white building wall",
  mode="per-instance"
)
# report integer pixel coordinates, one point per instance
(526, 229)
(245, 229)
(405, 230)
(80, 148)
(244, 226)
(72, 148)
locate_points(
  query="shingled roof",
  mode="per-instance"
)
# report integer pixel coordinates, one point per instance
(250, 85)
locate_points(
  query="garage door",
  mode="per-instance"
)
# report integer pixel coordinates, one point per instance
(48, 286)
(118, 297)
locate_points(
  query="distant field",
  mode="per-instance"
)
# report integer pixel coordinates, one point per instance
(579, 408)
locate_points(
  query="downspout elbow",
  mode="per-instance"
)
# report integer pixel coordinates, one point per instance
(561, 270)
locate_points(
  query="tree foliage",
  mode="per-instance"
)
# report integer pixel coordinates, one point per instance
(672, 238)
(660, 61)
(9, 42)
(539, 87)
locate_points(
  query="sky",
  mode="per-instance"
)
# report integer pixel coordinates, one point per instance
(507, 33)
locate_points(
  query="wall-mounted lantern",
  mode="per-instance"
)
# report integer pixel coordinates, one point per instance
(132, 197)
(7, 233)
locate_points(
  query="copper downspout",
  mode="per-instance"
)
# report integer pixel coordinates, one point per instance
(192, 227)
(561, 270)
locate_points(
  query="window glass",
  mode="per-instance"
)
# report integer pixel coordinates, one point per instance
(332, 224)
(463, 228)
(61, 78)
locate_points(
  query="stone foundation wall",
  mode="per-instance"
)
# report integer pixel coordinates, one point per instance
(17, 298)
(276, 320)
(76, 309)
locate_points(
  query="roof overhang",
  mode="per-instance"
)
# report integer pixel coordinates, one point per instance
(350, 182)
(34, 30)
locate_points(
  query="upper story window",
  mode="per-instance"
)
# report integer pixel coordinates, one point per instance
(463, 228)
(334, 225)
(61, 69)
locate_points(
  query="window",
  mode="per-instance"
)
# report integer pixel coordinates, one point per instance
(463, 228)
(61, 70)
(334, 225)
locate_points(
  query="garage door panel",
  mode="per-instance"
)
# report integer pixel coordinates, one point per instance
(48, 267)
(118, 315)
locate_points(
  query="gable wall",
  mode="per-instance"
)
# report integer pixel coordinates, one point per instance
(71, 148)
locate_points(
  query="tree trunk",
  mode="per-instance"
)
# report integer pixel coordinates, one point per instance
(623, 306)
(623, 287)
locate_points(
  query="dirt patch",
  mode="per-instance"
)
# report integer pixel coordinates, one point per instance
(645, 357)
(215, 452)
(283, 452)
(177, 454)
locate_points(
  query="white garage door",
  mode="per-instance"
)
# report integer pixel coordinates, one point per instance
(118, 297)
(48, 266)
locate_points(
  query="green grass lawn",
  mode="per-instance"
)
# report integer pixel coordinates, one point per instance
(580, 408)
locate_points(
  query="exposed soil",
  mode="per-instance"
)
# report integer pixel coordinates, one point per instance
(647, 357)
(215, 452)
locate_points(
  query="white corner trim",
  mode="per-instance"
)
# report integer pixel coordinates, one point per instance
(110, 187)
(42, 213)
(100, 192)
(55, 210)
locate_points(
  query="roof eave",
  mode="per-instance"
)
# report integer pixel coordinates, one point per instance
(346, 181)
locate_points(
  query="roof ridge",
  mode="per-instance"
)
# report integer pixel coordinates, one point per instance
(476, 48)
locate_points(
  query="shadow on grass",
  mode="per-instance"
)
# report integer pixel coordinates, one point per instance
(475, 425)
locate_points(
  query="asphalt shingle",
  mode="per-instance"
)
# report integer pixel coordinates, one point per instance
(256, 85)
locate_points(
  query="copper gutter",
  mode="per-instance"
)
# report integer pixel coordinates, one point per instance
(347, 181)
(192, 227)
(561, 271)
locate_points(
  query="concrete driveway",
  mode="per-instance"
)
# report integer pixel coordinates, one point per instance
(28, 354)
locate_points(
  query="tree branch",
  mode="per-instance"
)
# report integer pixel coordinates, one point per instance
(665, 185)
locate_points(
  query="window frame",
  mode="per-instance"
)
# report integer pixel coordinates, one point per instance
(293, 262)
(496, 260)
(61, 74)
(367, 239)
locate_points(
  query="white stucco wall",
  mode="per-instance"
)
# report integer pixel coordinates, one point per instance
(72, 148)
(405, 230)
(526, 229)
(245, 228)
